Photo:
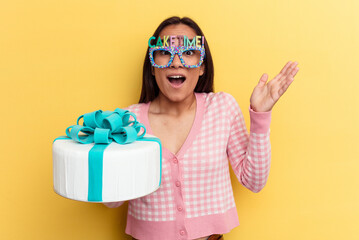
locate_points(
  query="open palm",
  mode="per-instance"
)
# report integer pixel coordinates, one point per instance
(264, 95)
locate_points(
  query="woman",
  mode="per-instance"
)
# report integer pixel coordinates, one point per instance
(200, 131)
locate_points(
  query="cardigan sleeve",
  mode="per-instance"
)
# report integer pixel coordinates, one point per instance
(249, 154)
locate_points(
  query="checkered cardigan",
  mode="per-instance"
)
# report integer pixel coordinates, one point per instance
(195, 198)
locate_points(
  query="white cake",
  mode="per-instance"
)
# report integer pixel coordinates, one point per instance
(129, 170)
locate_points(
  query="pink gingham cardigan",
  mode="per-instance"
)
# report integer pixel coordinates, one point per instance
(195, 198)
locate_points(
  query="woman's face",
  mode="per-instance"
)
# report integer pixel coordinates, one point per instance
(173, 87)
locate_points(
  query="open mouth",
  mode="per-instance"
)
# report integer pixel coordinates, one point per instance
(176, 79)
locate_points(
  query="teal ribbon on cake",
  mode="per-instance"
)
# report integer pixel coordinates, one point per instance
(102, 128)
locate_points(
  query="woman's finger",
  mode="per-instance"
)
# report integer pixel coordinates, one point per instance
(289, 78)
(292, 66)
(284, 85)
(294, 72)
(113, 204)
(289, 71)
(278, 77)
(284, 69)
(263, 79)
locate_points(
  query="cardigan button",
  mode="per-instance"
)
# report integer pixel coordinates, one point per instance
(178, 183)
(175, 161)
(182, 232)
(180, 208)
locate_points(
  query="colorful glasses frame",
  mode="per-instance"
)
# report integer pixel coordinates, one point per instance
(177, 50)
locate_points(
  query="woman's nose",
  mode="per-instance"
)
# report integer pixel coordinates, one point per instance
(176, 62)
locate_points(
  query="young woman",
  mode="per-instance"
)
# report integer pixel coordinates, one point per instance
(200, 131)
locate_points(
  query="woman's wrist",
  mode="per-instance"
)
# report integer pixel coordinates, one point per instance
(256, 110)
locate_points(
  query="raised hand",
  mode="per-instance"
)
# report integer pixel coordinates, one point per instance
(264, 95)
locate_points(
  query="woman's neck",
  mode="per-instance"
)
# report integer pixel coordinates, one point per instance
(162, 105)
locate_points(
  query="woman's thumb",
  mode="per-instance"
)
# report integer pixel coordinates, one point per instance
(263, 80)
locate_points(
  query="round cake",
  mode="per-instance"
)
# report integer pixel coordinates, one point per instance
(122, 172)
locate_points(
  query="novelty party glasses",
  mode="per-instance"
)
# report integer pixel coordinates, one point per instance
(190, 56)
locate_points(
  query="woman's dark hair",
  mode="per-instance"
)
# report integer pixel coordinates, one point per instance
(150, 89)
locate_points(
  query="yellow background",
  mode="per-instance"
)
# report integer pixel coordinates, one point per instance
(60, 59)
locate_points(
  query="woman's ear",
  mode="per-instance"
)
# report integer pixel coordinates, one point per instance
(201, 70)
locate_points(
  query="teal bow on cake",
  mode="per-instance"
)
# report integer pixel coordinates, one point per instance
(105, 127)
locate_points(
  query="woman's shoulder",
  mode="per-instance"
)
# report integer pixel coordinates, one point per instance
(221, 105)
(135, 108)
(219, 98)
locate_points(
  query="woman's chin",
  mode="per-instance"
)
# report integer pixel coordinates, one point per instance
(177, 97)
